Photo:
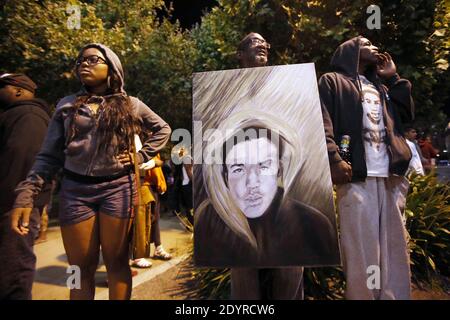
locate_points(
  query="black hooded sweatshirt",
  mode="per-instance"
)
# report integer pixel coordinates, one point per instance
(23, 126)
(342, 110)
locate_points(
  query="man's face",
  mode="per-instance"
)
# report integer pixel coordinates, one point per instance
(372, 102)
(7, 95)
(411, 134)
(252, 172)
(255, 52)
(368, 53)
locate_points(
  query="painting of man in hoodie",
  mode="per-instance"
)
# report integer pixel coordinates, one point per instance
(257, 191)
(365, 99)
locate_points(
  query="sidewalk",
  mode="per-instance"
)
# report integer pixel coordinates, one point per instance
(164, 280)
(51, 276)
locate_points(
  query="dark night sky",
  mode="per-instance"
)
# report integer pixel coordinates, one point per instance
(189, 12)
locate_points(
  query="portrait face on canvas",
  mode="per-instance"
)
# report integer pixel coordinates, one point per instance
(252, 170)
(261, 195)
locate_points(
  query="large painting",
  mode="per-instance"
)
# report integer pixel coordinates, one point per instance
(262, 186)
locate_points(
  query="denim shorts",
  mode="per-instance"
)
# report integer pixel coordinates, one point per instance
(79, 201)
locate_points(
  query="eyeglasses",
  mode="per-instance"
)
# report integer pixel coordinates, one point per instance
(91, 60)
(257, 41)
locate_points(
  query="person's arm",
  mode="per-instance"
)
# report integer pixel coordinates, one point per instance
(156, 129)
(419, 151)
(187, 165)
(188, 168)
(47, 163)
(327, 106)
(341, 171)
(432, 150)
(399, 90)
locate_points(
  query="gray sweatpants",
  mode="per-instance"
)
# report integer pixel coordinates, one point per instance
(373, 238)
(267, 284)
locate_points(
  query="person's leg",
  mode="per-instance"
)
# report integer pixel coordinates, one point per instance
(155, 233)
(17, 259)
(245, 284)
(163, 201)
(81, 242)
(187, 202)
(286, 284)
(395, 271)
(358, 207)
(43, 225)
(114, 239)
(175, 198)
(144, 262)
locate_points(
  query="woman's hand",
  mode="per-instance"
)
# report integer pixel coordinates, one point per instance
(20, 220)
(126, 159)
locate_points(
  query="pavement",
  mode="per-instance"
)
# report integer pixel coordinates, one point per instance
(51, 277)
(165, 280)
(173, 284)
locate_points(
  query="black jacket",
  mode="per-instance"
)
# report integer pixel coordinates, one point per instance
(342, 110)
(23, 126)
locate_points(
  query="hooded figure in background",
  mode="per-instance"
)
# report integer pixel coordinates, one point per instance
(91, 138)
(363, 100)
(23, 125)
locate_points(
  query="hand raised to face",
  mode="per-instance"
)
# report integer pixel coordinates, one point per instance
(385, 67)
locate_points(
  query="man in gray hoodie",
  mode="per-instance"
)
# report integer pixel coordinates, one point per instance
(363, 99)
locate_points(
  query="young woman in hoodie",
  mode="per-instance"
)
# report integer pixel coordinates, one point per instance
(90, 137)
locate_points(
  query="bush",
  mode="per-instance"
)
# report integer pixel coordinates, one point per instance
(428, 224)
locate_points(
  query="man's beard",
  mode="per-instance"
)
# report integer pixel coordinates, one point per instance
(260, 60)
